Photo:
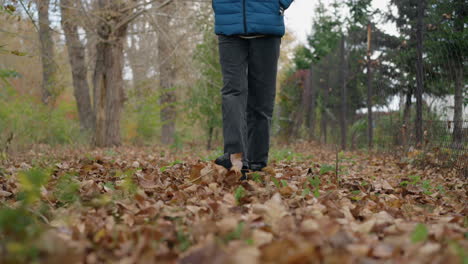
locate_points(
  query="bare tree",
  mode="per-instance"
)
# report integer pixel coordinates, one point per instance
(108, 76)
(167, 76)
(140, 53)
(419, 71)
(313, 98)
(113, 19)
(326, 86)
(370, 129)
(49, 67)
(76, 54)
(343, 81)
(461, 12)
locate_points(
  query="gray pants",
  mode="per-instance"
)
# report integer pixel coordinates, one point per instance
(249, 68)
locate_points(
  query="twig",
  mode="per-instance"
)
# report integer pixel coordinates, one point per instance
(29, 14)
(192, 181)
(41, 216)
(337, 166)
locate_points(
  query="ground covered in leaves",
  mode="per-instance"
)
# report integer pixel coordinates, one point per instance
(147, 205)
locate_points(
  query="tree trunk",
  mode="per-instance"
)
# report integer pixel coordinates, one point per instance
(108, 79)
(210, 137)
(166, 77)
(419, 72)
(308, 86)
(76, 55)
(313, 98)
(301, 112)
(326, 87)
(406, 117)
(49, 67)
(458, 109)
(461, 12)
(370, 129)
(137, 55)
(343, 93)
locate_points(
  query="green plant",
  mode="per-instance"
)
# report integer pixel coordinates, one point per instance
(415, 179)
(19, 230)
(236, 233)
(178, 142)
(213, 155)
(164, 168)
(326, 168)
(256, 177)
(306, 190)
(441, 189)
(239, 193)
(142, 117)
(315, 184)
(204, 101)
(276, 182)
(19, 227)
(31, 182)
(66, 190)
(460, 251)
(32, 123)
(127, 184)
(425, 185)
(419, 234)
(286, 155)
(184, 241)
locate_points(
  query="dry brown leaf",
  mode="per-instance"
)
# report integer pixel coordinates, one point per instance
(5, 193)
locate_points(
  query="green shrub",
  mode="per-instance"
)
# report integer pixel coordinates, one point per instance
(19, 227)
(141, 123)
(31, 122)
(30, 184)
(66, 190)
(19, 230)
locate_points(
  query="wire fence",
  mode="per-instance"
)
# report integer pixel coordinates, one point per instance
(439, 146)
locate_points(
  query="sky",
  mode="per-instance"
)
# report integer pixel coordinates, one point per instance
(298, 19)
(300, 14)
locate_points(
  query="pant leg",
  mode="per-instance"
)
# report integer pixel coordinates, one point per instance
(233, 53)
(262, 71)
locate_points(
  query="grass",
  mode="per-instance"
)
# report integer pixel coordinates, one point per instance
(288, 155)
(239, 193)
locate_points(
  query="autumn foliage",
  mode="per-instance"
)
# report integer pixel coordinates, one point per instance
(148, 205)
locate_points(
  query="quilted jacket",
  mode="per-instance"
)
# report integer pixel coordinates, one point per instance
(250, 17)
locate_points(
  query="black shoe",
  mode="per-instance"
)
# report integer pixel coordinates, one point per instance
(244, 172)
(256, 167)
(225, 161)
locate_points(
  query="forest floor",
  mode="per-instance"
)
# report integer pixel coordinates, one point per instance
(311, 205)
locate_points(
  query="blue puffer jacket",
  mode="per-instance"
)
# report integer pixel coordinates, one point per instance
(249, 17)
